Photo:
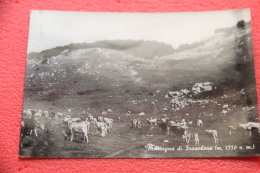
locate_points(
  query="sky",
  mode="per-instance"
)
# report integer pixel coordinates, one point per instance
(49, 29)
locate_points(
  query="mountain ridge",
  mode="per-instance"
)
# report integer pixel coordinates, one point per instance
(141, 48)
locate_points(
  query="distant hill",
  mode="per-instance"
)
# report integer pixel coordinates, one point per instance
(140, 48)
(221, 32)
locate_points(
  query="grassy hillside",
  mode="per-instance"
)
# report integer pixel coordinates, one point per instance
(128, 68)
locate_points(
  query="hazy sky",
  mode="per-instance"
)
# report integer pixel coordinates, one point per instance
(49, 29)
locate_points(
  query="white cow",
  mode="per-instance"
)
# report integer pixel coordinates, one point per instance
(199, 123)
(46, 114)
(213, 133)
(138, 123)
(248, 126)
(141, 114)
(188, 136)
(230, 129)
(78, 127)
(152, 121)
(27, 114)
(104, 113)
(109, 123)
(102, 128)
(100, 119)
(134, 123)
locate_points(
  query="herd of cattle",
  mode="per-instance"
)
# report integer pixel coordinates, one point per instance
(70, 127)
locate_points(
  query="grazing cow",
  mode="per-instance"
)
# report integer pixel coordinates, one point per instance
(225, 107)
(152, 121)
(183, 122)
(94, 120)
(109, 123)
(58, 114)
(189, 135)
(163, 123)
(179, 131)
(138, 123)
(52, 114)
(254, 132)
(213, 133)
(27, 114)
(199, 123)
(128, 113)
(242, 128)
(230, 129)
(255, 125)
(78, 127)
(172, 123)
(102, 128)
(46, 114)
(91, 118)
(38, 114)
(68, 118)
(65, 132)
(248, 126)
(100, 119)
(28, 126)
(141, 114)
(33, 111)
(224, 112)
(104, 113)
(38, 124)
(134, 123)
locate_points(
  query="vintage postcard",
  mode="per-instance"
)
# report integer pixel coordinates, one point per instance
(140, 85)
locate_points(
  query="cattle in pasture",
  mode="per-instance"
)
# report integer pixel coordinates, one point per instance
(152, 121)
(102, 128)
(179, 131)
(188, 136)
(78, 127)
(199, 123)
(163, 124)
(214, 134)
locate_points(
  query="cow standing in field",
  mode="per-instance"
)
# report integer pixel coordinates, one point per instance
(163, 124)
(136, 123)
(212, 133)
(231, 129)
(152, 121)
(199, 123)
(76, 127)
(248, 126)
(102, 128)
(28, 126)
(179, 131)
(27, 114)
(109, 123)
(189, 135)
(100, 119)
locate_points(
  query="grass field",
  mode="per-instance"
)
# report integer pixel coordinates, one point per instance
(127, 142)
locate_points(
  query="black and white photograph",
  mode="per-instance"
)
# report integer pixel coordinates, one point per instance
(140, 85)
